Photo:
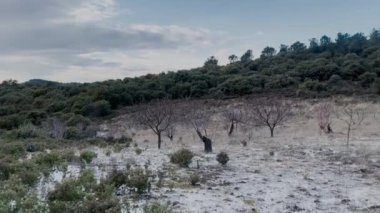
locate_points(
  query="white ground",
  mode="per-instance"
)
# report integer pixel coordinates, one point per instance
(308, 172)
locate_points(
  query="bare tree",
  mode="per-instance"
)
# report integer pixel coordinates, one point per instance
(170, 132)
(157, 116)
(233, 117)
(200, 120)
(324, 113)
(54, 127)
(270, 112)
(353, 116)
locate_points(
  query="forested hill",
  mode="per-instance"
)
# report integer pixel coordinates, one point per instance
(346, 64)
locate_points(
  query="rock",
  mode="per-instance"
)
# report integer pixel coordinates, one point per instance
(175, 203)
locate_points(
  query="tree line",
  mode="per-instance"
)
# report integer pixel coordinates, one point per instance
(163, 117)
(348, 64)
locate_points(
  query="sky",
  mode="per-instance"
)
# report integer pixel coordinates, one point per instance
(95, 40)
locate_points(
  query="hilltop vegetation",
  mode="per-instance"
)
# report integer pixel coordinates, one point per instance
(348, 65)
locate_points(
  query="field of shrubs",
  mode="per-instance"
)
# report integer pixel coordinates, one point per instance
(218, 156)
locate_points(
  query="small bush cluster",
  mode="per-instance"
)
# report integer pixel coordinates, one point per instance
(182, 157)
(194, 179)
(135, 179)
(83, 194)
(88, 156)
(222, 158)
(156, 207)
(28, 131)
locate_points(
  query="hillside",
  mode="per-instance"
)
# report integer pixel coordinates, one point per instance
(349, 65)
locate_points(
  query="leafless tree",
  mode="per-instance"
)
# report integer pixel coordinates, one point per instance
(157, 116)
(170, 132)
(324, 113)
(353, 116)
(270, 112)
(200, 120)
(54, 127)
(233, 116)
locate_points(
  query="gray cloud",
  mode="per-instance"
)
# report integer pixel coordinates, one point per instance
(44, 37)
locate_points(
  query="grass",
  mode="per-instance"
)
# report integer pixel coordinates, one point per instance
(88, 156)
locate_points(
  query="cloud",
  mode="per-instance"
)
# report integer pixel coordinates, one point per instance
(72, 40)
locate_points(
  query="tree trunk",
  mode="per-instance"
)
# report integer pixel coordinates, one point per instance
(329, 129)
(208, 144)
(159, 140)
(206, 141)
(231, 128)
(271, 132)
(348, 135)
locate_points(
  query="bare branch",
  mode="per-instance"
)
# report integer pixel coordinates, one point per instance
(159, 116)
(270, 112)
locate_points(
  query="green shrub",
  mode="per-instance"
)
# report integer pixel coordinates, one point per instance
(194, 179)
(88, 156)
(11, 121)
(68, 190)
(16, 149)
(71, 133)
(222, 158)
(156, 207)
(97, 109)
(69, 195)
(182, 157)
(28, 131)
(75, 119)
(100, 206)
(117, 178)
(28, 172)
(49, 161)
(377, 85)
(138, 179)
(7, 168)
(138, 151)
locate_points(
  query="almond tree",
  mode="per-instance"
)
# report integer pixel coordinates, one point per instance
(353, 116)
(157, 116)
(270, 112)
(233, 116)
(200, 120)
(323, 114)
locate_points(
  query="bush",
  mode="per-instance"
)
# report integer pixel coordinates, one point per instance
(138, 179)
(100, 206)
(28, 173)
(117, 178)
(222, 158)
(182, 157)
(138, 151)
(88, 156)
(96, 109)
(71, 133)
(194, 179)
(15, 149)
(6, 169)
(377, 85)
(28, 131)
(68, 190)
(156, 207)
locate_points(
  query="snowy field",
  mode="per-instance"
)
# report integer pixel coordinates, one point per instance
(299, 170)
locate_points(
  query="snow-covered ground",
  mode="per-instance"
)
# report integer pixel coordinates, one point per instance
(298, 170)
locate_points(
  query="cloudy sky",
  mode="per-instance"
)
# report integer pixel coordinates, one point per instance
(92, 40)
